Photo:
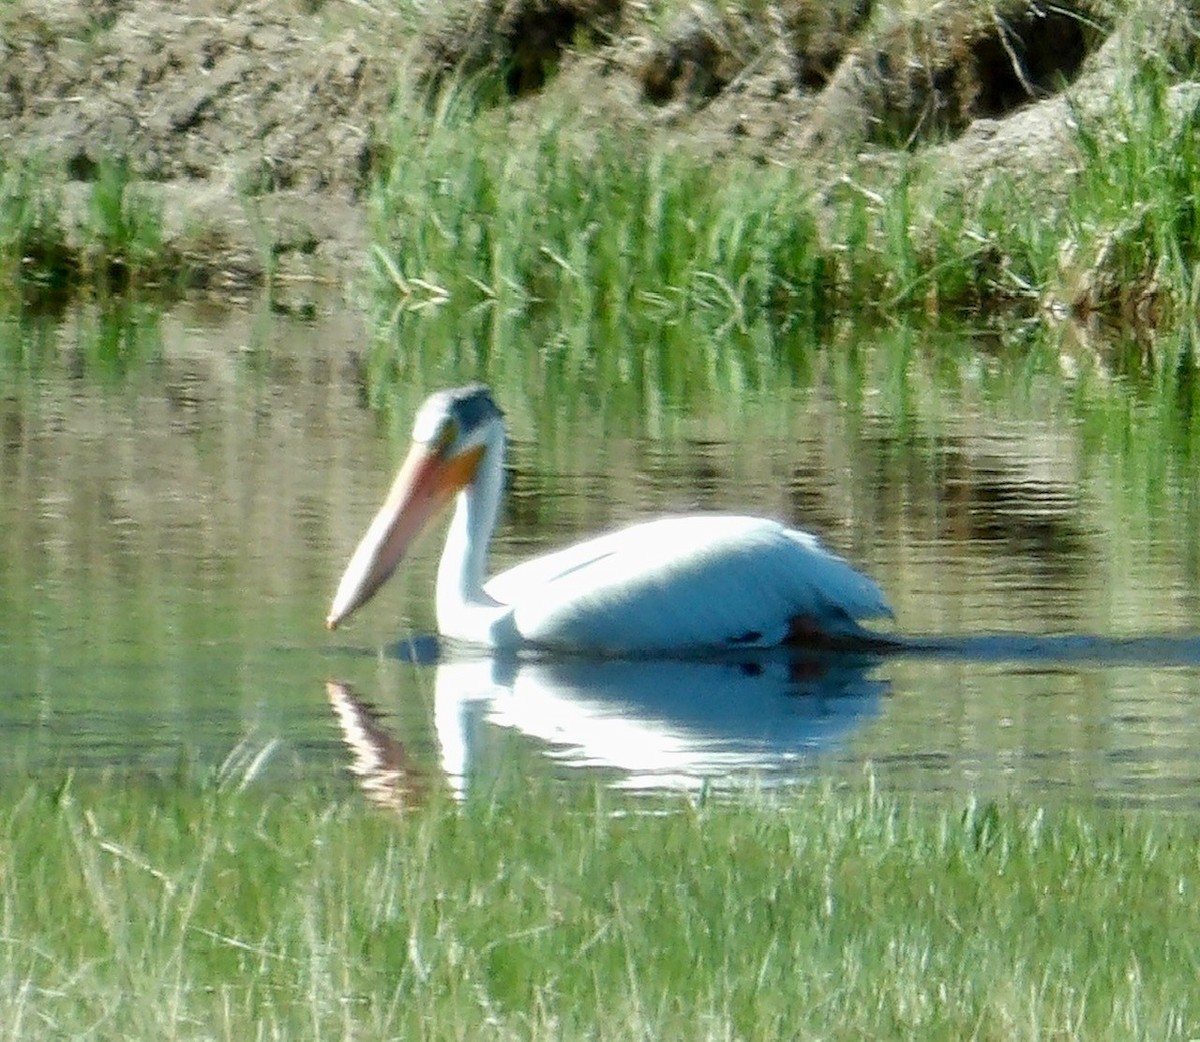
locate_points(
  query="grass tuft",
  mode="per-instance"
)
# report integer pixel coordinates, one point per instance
(33, 241)
(1133, 224)
(122, 231)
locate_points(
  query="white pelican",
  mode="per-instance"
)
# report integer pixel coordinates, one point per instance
(678, 584)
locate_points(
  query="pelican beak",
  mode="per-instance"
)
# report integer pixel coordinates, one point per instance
(425, 483)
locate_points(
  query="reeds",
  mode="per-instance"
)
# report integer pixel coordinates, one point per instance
(477, 213)
(33, 241)
(479, 207)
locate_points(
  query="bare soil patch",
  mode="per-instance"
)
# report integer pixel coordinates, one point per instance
(254, 120)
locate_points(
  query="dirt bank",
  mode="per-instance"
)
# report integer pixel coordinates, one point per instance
(258, 123)
(252, 121)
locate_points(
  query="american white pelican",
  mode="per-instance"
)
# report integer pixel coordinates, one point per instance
(678, 584)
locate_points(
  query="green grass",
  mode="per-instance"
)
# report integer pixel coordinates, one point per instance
(122, 231)
(477, 212)
(115, 244)
(218, 912)
(33, 241)
(481, 207)
(484, 214)
(1133, 235)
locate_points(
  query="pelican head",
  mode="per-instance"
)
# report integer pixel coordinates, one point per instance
(451, 432)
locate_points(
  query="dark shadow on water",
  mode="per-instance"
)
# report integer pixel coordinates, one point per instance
(1182, 649)
(424, 649)
(1074, 649)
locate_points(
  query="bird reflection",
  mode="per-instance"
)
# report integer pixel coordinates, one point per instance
(644, 724)
(388, 775)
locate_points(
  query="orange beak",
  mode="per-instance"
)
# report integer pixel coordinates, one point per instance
(426, 482)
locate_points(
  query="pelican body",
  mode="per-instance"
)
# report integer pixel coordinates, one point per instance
(687, 584)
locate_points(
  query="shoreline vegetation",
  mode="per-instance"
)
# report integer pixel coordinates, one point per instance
(785, 162)
(225, 909)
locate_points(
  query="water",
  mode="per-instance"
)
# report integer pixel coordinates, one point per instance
(179, 493)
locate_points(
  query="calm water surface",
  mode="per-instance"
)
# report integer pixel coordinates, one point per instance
(179, 494)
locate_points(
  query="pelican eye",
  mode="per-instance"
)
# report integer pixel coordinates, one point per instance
(446, 435)
(436, 429)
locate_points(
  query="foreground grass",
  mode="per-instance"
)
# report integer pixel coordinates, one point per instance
(138, 913)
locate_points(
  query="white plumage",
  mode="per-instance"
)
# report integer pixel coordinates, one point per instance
(677, 584)
(684, 582)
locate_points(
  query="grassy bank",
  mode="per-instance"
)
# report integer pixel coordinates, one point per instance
(205, 912)
(540, 206)
(483, 210)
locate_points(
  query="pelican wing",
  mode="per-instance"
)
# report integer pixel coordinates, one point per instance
(703, 581)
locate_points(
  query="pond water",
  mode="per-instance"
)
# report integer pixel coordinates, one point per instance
(179, 493)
